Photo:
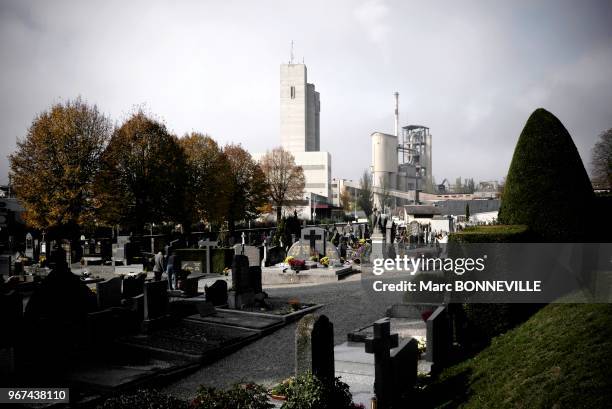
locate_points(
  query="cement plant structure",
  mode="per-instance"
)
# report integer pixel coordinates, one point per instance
(401, 169)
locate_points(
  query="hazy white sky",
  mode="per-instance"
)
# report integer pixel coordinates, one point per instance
(471, 71)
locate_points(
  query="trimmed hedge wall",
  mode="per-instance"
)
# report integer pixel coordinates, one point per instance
(493, 234)
(483, 322)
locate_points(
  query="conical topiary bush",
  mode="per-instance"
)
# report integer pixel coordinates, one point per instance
(547, 187)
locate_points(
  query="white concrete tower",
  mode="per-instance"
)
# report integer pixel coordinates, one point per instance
(299, 110)
(299, 129)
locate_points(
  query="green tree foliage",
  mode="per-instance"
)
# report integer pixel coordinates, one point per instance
(247, 186)
(365, 198)
(208, 193)
(601, 161)
(143, 175)
(547, 187)
(55, 165)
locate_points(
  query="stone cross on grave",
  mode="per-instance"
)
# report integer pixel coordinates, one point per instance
(313, 237)
(242, 236)
(208, 245)
(380, 346)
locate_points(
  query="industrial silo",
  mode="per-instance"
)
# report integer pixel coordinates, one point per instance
(384, 160)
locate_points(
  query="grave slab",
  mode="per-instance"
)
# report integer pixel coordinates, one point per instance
(190, 338)
(240, 320)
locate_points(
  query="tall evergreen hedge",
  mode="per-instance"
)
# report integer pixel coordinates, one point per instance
(547, 187)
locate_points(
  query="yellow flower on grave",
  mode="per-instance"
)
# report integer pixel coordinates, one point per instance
(288, 259)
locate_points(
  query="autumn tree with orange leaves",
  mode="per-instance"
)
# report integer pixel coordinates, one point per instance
(143, 175)
(208, 190)
(54, 167)
(248, 189)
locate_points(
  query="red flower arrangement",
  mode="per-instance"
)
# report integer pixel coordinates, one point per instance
(297, 264)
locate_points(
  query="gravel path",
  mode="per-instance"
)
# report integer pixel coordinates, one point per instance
(271, 359)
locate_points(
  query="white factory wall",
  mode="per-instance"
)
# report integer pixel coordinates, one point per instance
(317, 171)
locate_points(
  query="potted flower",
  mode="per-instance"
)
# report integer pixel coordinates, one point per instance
(297, 264)
(324, 261)
(279, 391)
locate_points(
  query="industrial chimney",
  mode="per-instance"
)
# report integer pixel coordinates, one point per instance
(396, 114)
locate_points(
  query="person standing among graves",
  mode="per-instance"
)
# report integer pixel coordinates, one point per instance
(158, 266)
(171, 269)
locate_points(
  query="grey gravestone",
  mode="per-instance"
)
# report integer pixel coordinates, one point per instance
(108, 293)
(275, 255)
(190, 285)
(439, 339)
(119, 253)
(315, 238)
(193, 260)
(217, 292)
(133, 285)
(29, 249)
(242, 293)
(252, 252)
(208, 245)
(404, 360)
(155, 299)
(255, 279)
(314, 347)
(240, 274)
(380, 346)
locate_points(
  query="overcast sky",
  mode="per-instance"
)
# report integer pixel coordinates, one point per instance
(470, 71)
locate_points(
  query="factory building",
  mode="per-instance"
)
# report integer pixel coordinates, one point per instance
(403, 164)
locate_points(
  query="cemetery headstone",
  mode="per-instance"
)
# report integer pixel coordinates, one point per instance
(314, 347)
(439, 340)
(193, 260)
(404, 361)
(217, 293)
(189, 285)
(242, 293)
(255, 279)
(252, 252)
(108, 293)
(133, 285)
(380, 345)
(208, 245)
(29, 249)
(155, 299)
(316, 239)
(119, 254)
